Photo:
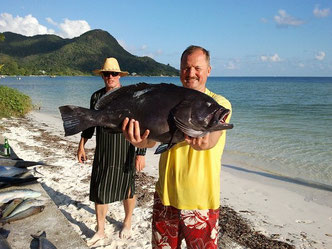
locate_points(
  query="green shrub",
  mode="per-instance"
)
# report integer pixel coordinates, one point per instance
(13, 103)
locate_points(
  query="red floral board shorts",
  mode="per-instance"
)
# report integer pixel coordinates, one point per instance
(170, 226)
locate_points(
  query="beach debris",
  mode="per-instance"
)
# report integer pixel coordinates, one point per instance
(6, 196)
(44, 243)
(237, 230)
(304, 221)
(246, 211)
(6, 148)
(275, 236)
(167, 110)
(22, 215)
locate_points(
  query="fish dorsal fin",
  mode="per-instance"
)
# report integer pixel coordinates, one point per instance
(104, 100)
(182, 119)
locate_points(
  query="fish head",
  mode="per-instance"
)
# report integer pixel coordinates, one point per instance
(198, 117)
(210, 116)
(217, 120)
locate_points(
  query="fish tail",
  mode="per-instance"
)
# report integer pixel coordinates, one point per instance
(76, 119)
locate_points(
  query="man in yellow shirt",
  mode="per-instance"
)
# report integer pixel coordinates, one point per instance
(187, 196)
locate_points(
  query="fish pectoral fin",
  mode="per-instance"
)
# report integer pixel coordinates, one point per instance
(163, 147)
(188, 130)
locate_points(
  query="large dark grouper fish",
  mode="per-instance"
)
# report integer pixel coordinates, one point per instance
(166, 110)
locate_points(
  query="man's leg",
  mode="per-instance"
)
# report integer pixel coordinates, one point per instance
(129, 206)
(101, 211)
(165, 225)
(200, 228)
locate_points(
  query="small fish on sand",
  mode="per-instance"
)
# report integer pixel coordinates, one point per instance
(19, 163)
(8, 171)
(16, 181)
(26, 204)
(22, 215)
(6, 196)
(11, 207)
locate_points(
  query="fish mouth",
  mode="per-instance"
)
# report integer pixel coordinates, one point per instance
(223, 115)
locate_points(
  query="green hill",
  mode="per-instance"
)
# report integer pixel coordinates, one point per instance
(53, 55)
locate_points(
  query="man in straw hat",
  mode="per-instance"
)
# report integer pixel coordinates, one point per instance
(113, 175)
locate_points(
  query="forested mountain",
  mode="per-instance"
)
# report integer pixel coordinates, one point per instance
(53, 55)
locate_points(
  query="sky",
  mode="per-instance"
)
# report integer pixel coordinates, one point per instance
(244, 37)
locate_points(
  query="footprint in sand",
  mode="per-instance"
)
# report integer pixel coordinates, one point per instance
(305, 221)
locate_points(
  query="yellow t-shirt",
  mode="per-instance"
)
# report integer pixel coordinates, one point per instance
(190, 179)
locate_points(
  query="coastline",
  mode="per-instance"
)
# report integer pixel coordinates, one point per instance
(281, 210)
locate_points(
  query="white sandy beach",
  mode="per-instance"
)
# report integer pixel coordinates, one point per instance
(289, 212)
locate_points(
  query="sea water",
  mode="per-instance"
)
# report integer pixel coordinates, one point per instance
(282, 125)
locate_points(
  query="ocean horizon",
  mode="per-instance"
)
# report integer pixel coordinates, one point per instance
(282, 125)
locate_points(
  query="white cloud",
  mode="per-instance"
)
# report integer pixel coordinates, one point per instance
(152, 54)
(73, 28)
(27, 25)
(30, 26)
(320, 13)
(285, 20)
(320, 56)
(273, 58)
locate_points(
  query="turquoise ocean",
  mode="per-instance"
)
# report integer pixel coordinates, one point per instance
(282, 125)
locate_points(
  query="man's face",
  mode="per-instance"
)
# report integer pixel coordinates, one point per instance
(194, 70)
(111, 79)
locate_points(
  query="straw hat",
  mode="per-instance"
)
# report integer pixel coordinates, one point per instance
(111, 65)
